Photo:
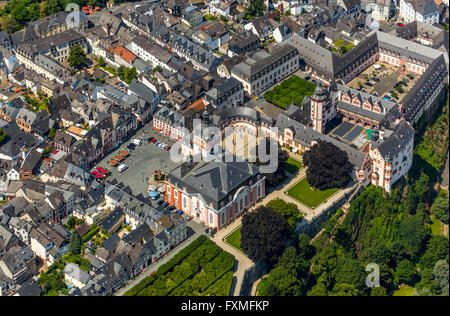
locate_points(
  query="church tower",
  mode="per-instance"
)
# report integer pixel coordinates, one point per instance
(319, 106)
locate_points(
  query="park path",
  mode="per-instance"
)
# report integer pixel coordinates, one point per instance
(243, 262)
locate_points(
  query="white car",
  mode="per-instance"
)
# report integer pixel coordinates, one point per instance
(122, 168)
(137, 142)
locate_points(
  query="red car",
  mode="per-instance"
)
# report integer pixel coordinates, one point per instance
(97, 175)
(168, 148)
(153, 140)
(101, 170)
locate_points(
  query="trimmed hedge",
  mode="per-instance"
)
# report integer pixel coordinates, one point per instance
(212, 272)
(196, 260)
(89, 235)
(291, 90)
(169, 265)
(222, 287)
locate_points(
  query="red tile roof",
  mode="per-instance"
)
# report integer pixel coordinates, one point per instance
(125, 54)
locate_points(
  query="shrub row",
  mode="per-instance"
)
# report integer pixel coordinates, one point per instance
(196, 260)
(221, 287)
(169, 265)
(88, 236)
(212, 271)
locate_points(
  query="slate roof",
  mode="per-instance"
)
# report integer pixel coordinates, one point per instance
(214, 181)
(305, 135)
(396, 142)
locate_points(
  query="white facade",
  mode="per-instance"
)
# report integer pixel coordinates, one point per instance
(409, 13)
(384, 174)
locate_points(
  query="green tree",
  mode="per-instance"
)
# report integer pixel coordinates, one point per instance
(305, 249)
(51, 133)
(101, 61)
(405, 272)
(328, 166)
(289, 211)
(350, 271)
(378, 291)
(440, 273)
(285, 279)
(263, 235)
(440, 207)
(71, 222)
(318, 290)
(412, 235)
(129, 74)
(2, 136)
(77, 57)
(256, 8)
(75, 243)
(344, 289)
(437, 249)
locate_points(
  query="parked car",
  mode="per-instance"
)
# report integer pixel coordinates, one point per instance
(122, 168)
(132, 146)
(136, 141)
(168, 148)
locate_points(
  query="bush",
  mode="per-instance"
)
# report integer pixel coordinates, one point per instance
(164, 283)
(222, 287)
(182, 254)
(291, 90)
(212, 271)
(91, 233)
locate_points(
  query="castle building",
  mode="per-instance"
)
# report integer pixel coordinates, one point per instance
(215, 193)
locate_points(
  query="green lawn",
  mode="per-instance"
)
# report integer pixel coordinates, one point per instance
(303, 193)
(437, 227)
(292, 166)
(291, 90)
(404, 290)
(234, 239)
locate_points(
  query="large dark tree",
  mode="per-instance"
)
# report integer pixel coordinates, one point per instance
(263, 235)
(328, 166)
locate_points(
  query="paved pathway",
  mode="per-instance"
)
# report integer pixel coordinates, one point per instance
(309, 213)
(445, 173)
(243, 262)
